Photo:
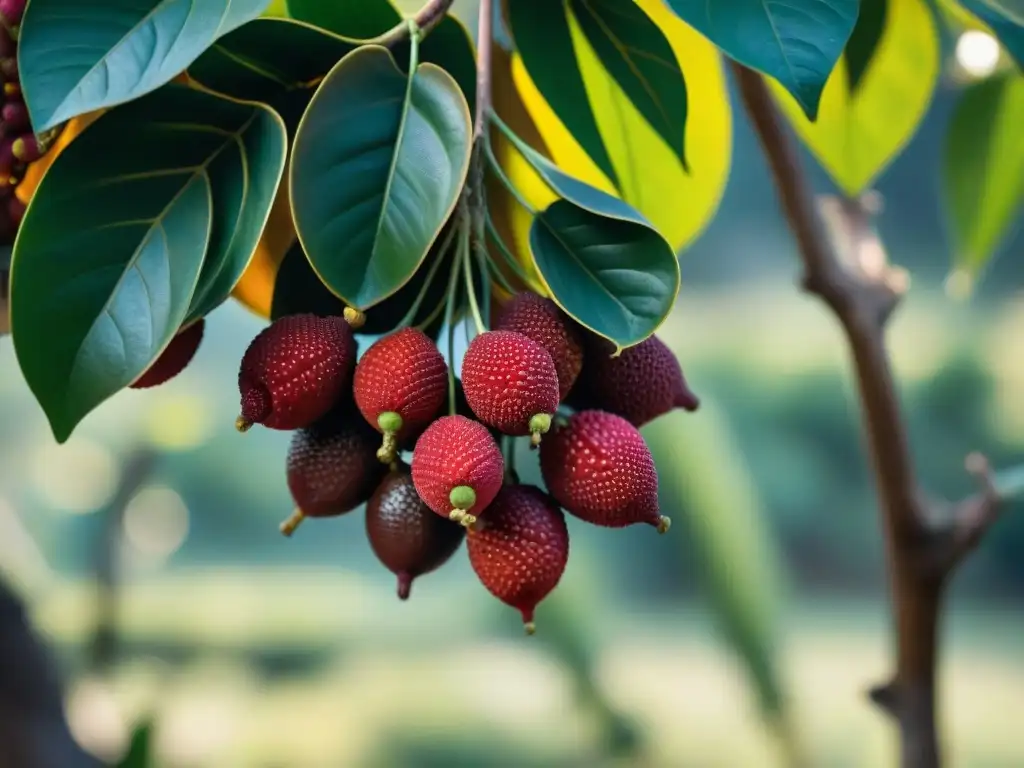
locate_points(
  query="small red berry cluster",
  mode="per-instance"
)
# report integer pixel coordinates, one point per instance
(18, 144)
(354, 420)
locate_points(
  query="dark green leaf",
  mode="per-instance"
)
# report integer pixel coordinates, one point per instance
(1006, 19)
(358, 19)
(615, 276)
(298, 290)
(247, 64)
(604, 263)
(378, 164)
(245, 179)
(112, 245)
(451, 48)
(75, 56)
(864, 40)
(797, 42)
(543, 39)
(640, 59)
(984, 168)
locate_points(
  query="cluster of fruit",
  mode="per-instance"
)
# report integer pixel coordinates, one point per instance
(353, 422)
(18, 144)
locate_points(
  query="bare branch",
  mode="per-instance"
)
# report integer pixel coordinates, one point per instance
(845, 264)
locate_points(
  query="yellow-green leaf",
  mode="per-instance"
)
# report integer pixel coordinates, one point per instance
(856, 136)
(651, 177)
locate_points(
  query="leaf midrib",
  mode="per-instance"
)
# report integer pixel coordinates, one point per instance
(200, 171)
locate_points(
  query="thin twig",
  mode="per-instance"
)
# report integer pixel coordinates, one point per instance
(845, 265)
(426, 18)
(484, 67)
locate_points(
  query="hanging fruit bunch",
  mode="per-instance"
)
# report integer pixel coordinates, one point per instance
(362, 183)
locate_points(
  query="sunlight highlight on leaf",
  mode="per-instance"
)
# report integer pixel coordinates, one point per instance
(856, 137)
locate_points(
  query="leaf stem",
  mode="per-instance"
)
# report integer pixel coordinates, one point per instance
(467, 273)
(487, 271)
(417, 26)
(498, 171)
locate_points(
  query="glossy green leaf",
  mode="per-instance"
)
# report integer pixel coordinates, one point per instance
(448, 45)
(547, 51)
(1006, 19)
(795, 41)
(358, 19)
(377, 167)
(857, 133)
(246, 64)
(245, 178)
(863, 44)
(984, 168)
(111, 248)
(600, 259)
(75, 57)
(140, 749)
(636, 53)
(617, 277)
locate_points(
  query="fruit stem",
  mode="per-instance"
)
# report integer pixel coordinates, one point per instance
(294, 521)
(663, 524)
(242, 424)
(390, 424)
(467, 273)
(449, 316)
(539, 425)
(508, 445)
(464, 519)
(530, 628)
(510, 259)
(431, 273)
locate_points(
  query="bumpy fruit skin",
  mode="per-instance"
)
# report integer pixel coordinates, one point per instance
(540, 319)
(174, 358)
(599, 468)
(520, 552)
(457, 468)
(400, 375)
(642, 383)
(510, 383)
(295, 370)
(405, 535)
(332, 466)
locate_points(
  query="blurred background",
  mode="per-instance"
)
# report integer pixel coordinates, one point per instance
(177, 617)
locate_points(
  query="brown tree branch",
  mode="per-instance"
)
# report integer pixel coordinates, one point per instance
(426, 18)
(845, 266)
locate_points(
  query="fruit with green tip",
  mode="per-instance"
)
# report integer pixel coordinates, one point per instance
(295, 371)
(11, 11)
(405, 534)
(332, 466)
(520, 550)
(400, 384)
(457, 468)
(511, 383)
(599, 468)
(541, 319)
(26, 147)
(174, 359)
(640, 384)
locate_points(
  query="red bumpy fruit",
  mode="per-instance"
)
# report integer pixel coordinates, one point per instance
(332, 466)
(599, 468)
(510, 383)
(174, 358)
(519, 553)
(405, 535)
(457, 468)
(400, 383)
(642, 383)
(540, 319)
(294, 371)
